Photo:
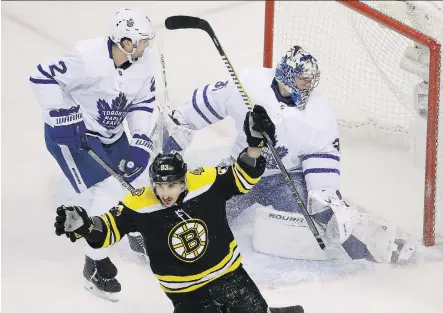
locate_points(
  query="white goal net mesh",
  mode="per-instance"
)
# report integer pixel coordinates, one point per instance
(379, 93)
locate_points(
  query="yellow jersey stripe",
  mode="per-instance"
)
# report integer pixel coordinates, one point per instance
(111, 234)
(238, 182)
(108, 232)
(226, 259)
(189, 284)
(114, 227)
(232, 268)
(243, 181)
(245, 175)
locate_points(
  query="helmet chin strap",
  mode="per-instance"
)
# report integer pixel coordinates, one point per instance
(288, 89)
(128, 54)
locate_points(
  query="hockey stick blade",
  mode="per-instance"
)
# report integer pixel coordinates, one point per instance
(191, 22)
(185, 21)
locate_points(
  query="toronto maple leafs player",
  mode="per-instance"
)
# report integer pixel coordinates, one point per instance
(309, 145)
(85, 96)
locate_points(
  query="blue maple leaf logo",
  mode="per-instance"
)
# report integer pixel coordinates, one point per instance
(282, 151)
(305, 57)
(130, 22)
(299, 68)
(110, 116)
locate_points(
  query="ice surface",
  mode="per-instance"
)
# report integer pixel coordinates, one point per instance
(43, 273)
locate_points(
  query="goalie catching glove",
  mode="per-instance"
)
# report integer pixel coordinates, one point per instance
(72, 221)
(257, 122)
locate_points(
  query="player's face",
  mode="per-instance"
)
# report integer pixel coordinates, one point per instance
(302, 83)
(142, 45)
(306, 83)
(168, 193)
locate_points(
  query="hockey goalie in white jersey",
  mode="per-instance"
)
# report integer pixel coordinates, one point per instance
(309, 145)
(85, 96)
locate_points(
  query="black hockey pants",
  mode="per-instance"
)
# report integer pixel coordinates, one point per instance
(235, 292)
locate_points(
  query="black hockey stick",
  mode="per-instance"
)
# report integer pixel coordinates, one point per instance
(186, 22)
(132, 189)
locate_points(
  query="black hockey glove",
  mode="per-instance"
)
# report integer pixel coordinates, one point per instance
(257, 122)
(72, 221)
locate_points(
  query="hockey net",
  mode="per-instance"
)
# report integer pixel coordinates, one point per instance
(380, 65)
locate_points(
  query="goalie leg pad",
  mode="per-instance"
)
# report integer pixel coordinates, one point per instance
(335, 215)
(362, 235)
(384, 241)
(286, 234)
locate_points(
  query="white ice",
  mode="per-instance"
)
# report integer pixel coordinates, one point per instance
(43, 273)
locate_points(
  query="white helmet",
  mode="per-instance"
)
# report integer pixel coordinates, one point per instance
(131, 24)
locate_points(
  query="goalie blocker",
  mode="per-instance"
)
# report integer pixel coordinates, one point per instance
(348, 232)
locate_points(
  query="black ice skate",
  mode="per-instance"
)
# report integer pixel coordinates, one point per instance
(100, 278)
(137, 244)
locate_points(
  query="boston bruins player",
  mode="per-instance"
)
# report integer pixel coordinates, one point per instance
(191, 248)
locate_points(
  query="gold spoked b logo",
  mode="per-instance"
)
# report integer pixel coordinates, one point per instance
(188, 240)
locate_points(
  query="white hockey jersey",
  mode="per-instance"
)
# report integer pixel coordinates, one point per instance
(307, 140)
(86, 76)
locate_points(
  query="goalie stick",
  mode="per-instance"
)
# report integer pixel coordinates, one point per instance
(190, 22)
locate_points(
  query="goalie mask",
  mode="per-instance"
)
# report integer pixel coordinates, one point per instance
(298, 72)
(129, 24)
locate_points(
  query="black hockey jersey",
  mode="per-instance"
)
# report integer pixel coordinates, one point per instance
(191, 244)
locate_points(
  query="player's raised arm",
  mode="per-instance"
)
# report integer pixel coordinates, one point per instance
(241, 176)
(207, 105)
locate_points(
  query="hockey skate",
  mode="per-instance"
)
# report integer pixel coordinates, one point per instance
(100, 278)
(137, 244)
(405, 245)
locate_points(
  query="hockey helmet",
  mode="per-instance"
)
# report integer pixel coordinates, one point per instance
(299, 73)
(168, 168)
(130, 24)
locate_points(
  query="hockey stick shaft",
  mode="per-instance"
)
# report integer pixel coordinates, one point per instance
(165, 81)
(110, 170)
(190, 22)
(166, 105)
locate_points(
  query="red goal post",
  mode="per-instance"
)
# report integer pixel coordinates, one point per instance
(434, 83)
